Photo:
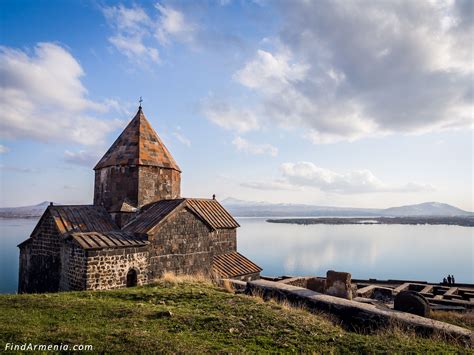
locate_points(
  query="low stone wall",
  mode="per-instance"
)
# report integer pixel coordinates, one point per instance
(108, 268)
(354, 314)
(310, 282)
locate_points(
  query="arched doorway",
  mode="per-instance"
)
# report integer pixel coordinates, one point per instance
(131, 278)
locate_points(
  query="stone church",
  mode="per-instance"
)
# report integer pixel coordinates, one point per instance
(138, 227)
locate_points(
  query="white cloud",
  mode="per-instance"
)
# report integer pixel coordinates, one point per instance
(3, 149)
(307, 174)
(181, 138)
(270, 185)
(229, 117)
(42, 97)
(134, 48)
(173, 24)
(132, 26)
(244, 145)
(271, 73)
(345, 70)
(82, 158)
(130, 20)
(137, 34)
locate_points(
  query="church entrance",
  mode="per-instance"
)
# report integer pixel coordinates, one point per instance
(131, 278)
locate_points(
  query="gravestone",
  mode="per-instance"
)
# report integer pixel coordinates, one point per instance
(412, 302)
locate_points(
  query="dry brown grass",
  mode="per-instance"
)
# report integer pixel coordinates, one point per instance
(399, 331)
(227, 285)
(172, 278)
(462, 319)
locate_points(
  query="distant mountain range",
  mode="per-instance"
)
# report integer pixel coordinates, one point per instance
(241, 208)
(25, 211)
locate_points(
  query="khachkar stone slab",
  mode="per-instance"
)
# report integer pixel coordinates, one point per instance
(339, 284)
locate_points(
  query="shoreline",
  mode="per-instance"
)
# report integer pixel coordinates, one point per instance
(456, 221)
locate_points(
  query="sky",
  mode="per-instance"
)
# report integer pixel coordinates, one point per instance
(340, 103)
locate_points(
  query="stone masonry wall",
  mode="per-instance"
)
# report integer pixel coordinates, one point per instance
(40, 263)
(74, 267)
(181, 245)
(114, 185)
(108, 268)
(223, 241)
(157, 183)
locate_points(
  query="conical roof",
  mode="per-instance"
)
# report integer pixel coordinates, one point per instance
(138, 145)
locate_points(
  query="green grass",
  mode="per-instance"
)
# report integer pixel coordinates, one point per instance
(204, 319)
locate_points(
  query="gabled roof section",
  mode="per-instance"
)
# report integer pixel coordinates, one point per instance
(210, 211)
(151, 215)
(213, 212)
(232, 265)
(81, 218)
(107, 240)
(138, 144)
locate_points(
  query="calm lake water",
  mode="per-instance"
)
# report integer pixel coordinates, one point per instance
(367, 251)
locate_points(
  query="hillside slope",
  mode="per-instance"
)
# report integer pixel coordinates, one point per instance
(186, 317)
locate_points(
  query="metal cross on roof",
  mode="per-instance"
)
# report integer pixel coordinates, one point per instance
(140, 102)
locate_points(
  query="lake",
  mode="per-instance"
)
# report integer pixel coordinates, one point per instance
(416, 252)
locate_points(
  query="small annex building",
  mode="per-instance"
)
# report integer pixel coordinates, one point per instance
(138, 228)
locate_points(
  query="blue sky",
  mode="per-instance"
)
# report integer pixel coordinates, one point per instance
(364, 104)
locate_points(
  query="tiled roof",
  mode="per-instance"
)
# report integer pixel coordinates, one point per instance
(138, 144)
(232, 265)
(82, 218)
(211, 211)
(96, 240)
(151, 215)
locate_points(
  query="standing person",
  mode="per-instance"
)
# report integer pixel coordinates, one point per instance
(452, 279)
(449, 279)
(445, 281)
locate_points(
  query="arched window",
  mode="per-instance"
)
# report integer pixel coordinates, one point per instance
(131, 278)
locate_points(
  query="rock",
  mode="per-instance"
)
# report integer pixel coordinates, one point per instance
(316, 284)
(383, 294)
(163, 314)
(339, 284)
(412, 302)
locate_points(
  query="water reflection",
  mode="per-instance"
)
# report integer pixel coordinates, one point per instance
(424, 252)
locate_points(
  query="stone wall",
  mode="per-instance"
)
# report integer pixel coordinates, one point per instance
(155, 183)
(310, 282)
(223, 241)
(108, 268)
(40, 263)
(114, 185)
(138, 185)
(181, 245)
(74, 267)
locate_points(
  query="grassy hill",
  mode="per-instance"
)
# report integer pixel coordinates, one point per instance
(186, 316)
